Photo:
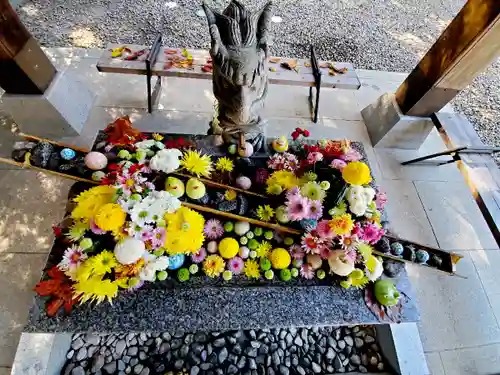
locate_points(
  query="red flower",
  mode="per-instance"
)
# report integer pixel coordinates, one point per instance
(299, 130)
(113, 167)
(306, 133)
(60, 290)
(56, 229)
(295, 135)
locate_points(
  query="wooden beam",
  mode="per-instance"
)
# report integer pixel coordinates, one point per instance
(468, 45)
(24, 67)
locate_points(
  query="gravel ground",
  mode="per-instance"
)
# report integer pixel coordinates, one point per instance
(372, 34)
(326, 350)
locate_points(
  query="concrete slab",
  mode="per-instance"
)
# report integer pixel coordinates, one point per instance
(471, 361)
(18, 275)
(455, 311)
(465, 227)
(434, 363)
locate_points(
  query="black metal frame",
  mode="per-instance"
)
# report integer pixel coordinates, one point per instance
(150, 62)
(317, 84)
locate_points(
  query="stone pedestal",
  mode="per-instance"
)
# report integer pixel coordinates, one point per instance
(388, 127)
(60, 112)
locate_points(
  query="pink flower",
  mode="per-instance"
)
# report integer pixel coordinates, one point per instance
(371, 233)
(146, 233)
(261, 176)
(352, 155)
(351, 256)
(380, 199)
(314, 157)
(235, 265)
(315, 210)
(296, 252)
(159, 237)
(95, 229)
(325, 252)
(324, 230)
(199, 256)
(213, 229)
(293, 192)
(306, 271)
(338, 164)
(297, 208)
(310, 243)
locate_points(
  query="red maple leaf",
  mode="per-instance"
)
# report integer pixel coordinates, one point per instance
(59, 289)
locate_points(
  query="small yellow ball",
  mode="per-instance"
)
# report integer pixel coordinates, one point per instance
(280, 258)
(228, 248)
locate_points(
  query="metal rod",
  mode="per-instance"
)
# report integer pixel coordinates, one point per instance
(432, 156)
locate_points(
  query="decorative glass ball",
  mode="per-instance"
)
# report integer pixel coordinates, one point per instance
(68, 154)
(176, 261)
(422, 256)
(397, 249)
(95, 160)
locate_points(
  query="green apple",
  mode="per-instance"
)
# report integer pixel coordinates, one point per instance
(195, 189)
(174, 186)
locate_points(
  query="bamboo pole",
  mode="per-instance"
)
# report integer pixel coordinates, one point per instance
(222, 186)
(242, 218)
(38, 139)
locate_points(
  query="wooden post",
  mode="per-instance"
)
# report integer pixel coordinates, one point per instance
(465, 49)
(24, 67)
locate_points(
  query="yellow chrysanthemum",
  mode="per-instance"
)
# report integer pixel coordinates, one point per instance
(365, 250)
(230, 195)
(194, 162)
(102, 263)
(77, 230)
(356, 173)
(252, 269)
(263, 249)
(280, 258)
(157, 137)
(96, 290)
(213, 265)
(265, 213)
(184, 231)
(285, 179)
(110, 217)
(90, 201)
(274, 189)
(224, 165)
(342, 224)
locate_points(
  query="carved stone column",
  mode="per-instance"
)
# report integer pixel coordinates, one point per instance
(239, 57)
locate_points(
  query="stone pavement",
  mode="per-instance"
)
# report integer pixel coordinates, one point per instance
(459, 329)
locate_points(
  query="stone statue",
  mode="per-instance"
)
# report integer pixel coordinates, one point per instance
(239, 57)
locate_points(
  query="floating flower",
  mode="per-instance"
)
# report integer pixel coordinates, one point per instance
(342, 224)
(235, 265)
(230, 195)
(166, 160)
(265, 213)
(158, 238)
(338, 164)
(314, 157)
(77, 231)
(110, 217)
(306, 271)
(224, 164)
(297, 252)
(95, 229)
(96, 290)
(263, 249)
(184, 231)
(351, 155)
(298, 208)
(371, 233)
(310, 243)
(102, 263)
(72, 258)
(293, 193)
(213, 266)
(356, 173)
(157, 137)
(90, 201)
(213, 229)
(313, 191)
(199, 256)
(194, 162)
(274, 189)
(252, 269)
(315, 210)
(261, 176)
(145, 234)
(324, 230)
(325, 252)
(286, 179)
(129, 251)
(284, 161)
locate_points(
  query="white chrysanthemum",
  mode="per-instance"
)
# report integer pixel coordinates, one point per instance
(359, 198)
(148, 273)
(144, 145)
(161, 263)
(129, 251)
(377, 272)
(166, 160)
(72, 258)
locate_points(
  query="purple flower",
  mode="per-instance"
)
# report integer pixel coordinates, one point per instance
(306, 271)
(297, 252)
(95, 229)
(352, 155)
(213, 229)
(371, 233)
(315, 210)
(338, 164)
(298, 208)
(159, 237)
(199, 256)
(235, 265)
(380, 199)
